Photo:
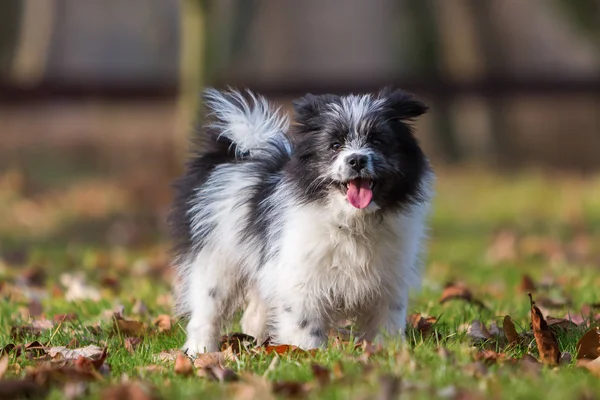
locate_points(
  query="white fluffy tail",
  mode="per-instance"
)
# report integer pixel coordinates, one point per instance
(251, 123)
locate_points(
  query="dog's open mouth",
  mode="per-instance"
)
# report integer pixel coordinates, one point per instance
(359, 192)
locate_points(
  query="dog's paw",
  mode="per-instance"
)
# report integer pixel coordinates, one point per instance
(194, 347)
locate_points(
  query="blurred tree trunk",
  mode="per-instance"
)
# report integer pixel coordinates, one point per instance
(429, 64)
(10, 17)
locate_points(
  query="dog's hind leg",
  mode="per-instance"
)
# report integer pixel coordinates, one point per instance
(254, 320)
(209, 296)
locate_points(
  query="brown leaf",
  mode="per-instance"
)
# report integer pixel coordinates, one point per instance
(561, 323)
(283, 349)
(478, 331)
(128, 327)
(65, 317)
(61, 352)
(554, 303)
(527, 284)
(183, 365)
(219, 373)
(338, 370)
(589, 345)
(321, 374)
(207, 360)
(423, 324)
(34, 329)
(237, 342)
(131, 343)
(544, 337)
(489, 357)
(3, 365)
(459, 291)
(163, 323)
(509, 330)
(592, 365)
(290, 389)
(20, 389)
(128, 391)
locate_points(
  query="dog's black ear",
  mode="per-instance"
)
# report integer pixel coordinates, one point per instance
(402, 105)
(310, 107)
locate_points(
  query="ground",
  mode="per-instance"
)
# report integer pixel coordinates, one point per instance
(85, 262)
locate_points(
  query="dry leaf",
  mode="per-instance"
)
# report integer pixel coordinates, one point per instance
(544, 337)
(128, 391)
(589, 345)
(592, 365)
(459, 291)
(251, 387)
(65, 317)
(219, 373)
(237, 342)
(561, 323)
(129, 328)
(527, 284)
(163, 323)
(321, 374)
(131, 343)
(77, 289)
(423, 324)
(478, 331)
(509, 330)
(61, 352)
(166, 356)
(207, 360)
(290, 389)
(21, 389)
(489, 357)
(3, 365)
(283, 349)
(183, 365)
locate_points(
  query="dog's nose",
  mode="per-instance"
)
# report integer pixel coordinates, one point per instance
(357, 161)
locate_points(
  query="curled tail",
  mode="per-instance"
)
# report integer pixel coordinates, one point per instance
(248, 121)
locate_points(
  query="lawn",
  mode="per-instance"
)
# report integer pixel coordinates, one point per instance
(85, 262)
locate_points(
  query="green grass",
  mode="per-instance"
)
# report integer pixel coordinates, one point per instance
(469, 211)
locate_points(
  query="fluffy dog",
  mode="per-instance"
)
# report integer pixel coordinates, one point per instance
(305, 225)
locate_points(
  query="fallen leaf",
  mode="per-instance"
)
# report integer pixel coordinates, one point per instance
(290, 388)
(65, 317)
(561, 323)
(207, 360)
(131, 343)
(423, 324)
(183, 365)
(166, 356)
(459, 291)
(321, 374)
(544, 338)
(250, 387)
(237, 342)
(77, 289)
(3, 365)
(61, 352)
(478, 331)
(589, 345)
(489, 357)
(592, 365)
(20, 389)
(163, 323)
(283, 349)
(35, 308)
(527, 284)
(128, 327)
(219, 373)
(509, 330)
(338, 370)
(553, 303)
(128, 391)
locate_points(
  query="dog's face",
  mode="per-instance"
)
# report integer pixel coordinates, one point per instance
(359, 150)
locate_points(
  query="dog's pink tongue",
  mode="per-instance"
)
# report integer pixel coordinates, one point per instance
(359, 193)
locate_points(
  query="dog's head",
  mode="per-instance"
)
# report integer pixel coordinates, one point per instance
(359, 150)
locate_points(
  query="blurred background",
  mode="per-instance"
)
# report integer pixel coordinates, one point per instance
(98, 98)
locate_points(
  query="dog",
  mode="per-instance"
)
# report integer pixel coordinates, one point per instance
(304, 224)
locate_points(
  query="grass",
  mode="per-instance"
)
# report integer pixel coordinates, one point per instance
(547, 216)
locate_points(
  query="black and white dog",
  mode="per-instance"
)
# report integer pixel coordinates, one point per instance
(305, 225)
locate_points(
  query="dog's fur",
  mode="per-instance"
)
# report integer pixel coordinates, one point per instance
(262, 217)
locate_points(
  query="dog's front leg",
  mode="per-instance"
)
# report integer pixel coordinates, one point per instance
(388, 316)
(297, 321)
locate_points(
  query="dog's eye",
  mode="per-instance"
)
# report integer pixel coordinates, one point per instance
(336, 146)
